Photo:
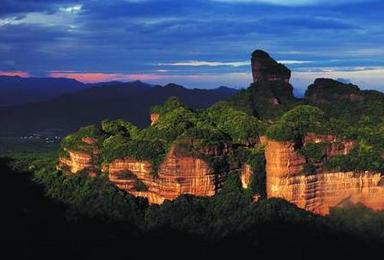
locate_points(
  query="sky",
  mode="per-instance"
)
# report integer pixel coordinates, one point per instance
(196, 43)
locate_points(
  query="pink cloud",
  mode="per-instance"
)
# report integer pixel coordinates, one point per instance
(23, 74)
(191, 80)
(100, 76)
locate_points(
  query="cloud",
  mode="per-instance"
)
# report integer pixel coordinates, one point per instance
(71, 9)
(101, 76)
(292, 2)
(8, 7)
(10, 21)
(287, 62)
(339, 69)
(23, 74)
(188, 39)
(364, 78)
(195, 63)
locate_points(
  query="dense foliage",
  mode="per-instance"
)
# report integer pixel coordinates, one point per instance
(313, 152)
(297, 122)
(267, 100)
(229, 220)
(239, 125)
(190, 132)
(231, 215)
(171, 104)
(361, 158)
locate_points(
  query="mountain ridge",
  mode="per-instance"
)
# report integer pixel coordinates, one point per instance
(70, 111)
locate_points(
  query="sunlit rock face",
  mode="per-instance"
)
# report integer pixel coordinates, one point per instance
(178, 174)
(320, 192)
(154, 118)
(265, 68)
(246, 175)
(77, 161)
(323, 190)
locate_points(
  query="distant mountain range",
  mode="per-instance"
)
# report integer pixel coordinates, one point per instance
(17, 90)
(94, 102)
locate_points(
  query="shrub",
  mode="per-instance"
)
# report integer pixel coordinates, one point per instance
(120, 127)
(74, 141)
(294, 124)
(363, 157)
(313, 152)
(237, 124)
(171, 104)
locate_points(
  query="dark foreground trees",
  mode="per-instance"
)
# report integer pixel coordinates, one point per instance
(73, 217)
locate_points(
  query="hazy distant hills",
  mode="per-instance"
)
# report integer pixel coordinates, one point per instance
(17, 90)
(130, 101)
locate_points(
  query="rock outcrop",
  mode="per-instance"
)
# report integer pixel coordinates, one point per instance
(325, 91)
(246, 175)
(321, 191)
(177, 175)
(264, 68)
(270, 91)
(77, 161)
(154, 118)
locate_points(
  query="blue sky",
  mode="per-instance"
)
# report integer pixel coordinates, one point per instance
(197, 43)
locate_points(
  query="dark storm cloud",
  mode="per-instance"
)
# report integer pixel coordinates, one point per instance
(127, 36)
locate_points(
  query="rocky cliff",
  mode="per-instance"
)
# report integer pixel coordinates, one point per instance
(270, 94)
(191, 152)
(154, 117)
(177, 175)
(320, 191)
(75, 161)
(264, 68)
(325, 91)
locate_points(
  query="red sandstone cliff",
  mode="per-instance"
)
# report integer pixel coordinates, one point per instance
(181, 173)
(321, 191)
(177, 175)
(77, 161)
(154, 117)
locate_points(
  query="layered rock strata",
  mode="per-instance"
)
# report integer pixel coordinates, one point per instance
(77, 161)
(177, 175)
(323, 190)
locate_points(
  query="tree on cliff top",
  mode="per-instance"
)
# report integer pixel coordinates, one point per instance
(217, 127)
(297, 122)
(171, 104)
(241, 126)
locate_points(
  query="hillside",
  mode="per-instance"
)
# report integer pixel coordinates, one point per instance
(274, 143)
(130, 101)
(347, 102)
(17, 90)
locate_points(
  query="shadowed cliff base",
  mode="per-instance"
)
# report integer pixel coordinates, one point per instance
(38, 227)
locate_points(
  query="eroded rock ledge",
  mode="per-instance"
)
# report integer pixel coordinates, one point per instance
(321, 191)
(177, 175)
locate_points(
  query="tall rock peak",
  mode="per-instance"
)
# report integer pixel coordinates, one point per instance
(265, 68)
